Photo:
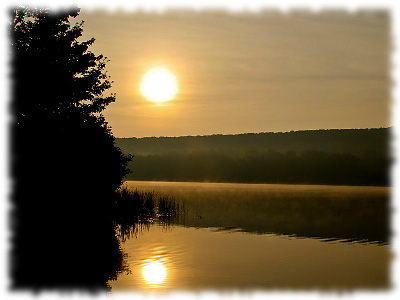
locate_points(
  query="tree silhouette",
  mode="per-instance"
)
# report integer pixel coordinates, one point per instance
(65, 165)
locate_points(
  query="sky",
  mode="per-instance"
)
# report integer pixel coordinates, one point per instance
(246, 72)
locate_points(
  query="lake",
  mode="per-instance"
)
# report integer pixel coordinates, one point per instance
(261, 237)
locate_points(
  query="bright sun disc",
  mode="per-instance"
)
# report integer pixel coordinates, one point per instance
(154, 272)
(159, 85)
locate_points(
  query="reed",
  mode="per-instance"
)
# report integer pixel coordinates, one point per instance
(135, 211)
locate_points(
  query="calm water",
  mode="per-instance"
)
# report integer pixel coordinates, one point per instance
(259, 236)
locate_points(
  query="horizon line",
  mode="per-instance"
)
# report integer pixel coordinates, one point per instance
(244, 133)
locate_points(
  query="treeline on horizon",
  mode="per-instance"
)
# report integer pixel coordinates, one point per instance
(338, 157)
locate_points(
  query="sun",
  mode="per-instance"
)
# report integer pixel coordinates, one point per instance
(159, 85)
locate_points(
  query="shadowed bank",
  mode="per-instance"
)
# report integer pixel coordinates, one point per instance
(65, 166)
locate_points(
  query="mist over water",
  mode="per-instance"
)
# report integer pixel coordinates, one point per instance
(343, 212)
(261, 236)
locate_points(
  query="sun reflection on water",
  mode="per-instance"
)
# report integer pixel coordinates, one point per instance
(154, 272)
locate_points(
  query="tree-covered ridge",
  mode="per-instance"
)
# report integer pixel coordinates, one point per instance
(340, 157)
(354, 141)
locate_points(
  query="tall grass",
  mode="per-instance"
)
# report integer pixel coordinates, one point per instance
(135, 211)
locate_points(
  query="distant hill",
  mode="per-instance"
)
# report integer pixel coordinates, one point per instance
(354, 141)
(336, 156)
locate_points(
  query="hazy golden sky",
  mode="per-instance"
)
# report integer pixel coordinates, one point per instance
(241, 73)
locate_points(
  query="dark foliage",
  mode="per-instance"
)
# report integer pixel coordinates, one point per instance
(65, 165)
(308, 167)
(339, 157)
(354, 141)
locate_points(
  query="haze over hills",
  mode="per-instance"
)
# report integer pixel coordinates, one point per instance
(354, 141)
(336, 156)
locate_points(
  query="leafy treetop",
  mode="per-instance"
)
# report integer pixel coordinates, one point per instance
(53, 63)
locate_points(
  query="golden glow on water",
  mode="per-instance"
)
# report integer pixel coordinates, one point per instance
(154, 272)
(200, 256)
(159, 85)
(196, 259)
